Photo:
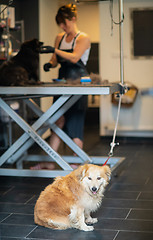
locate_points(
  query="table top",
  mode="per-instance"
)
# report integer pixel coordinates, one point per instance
(61, 89)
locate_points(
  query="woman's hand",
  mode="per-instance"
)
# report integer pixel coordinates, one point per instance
(47, 49)
(47, 66)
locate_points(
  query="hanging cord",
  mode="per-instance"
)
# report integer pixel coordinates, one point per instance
(112, 18)
(113, 144)
(111, 14)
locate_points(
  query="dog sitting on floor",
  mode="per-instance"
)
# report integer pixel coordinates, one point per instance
(69, 200)
(22, 69)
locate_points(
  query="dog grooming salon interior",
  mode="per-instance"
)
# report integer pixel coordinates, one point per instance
(41, 119)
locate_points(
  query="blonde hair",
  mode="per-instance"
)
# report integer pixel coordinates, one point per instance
(66, 12)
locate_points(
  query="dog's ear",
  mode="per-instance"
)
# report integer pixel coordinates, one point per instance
(107, 171)
(80, 172)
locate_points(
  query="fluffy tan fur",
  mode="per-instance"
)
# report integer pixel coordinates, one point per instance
(69, 200)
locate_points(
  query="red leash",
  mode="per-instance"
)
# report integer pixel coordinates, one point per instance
(106, 160)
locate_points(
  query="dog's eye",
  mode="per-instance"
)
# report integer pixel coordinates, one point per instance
(89, 178)
(98, 178)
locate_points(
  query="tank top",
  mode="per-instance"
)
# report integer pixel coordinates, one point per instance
(71, 45)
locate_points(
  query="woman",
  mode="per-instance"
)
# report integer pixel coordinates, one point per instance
(71, 50)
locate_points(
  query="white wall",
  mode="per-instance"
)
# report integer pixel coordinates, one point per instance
(137, 120)
(88, 20)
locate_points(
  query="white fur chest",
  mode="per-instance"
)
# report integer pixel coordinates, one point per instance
(90, 203)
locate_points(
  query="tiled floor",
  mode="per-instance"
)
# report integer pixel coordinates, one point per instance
(126, 212)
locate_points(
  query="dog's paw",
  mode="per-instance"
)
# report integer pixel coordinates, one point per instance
(94, 220)
(91, 220)
(87, 228)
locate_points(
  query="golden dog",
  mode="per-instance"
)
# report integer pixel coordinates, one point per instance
(69, 200)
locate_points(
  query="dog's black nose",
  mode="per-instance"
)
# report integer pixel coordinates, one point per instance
(94, 189)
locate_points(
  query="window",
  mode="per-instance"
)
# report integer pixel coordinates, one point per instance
(142, 37)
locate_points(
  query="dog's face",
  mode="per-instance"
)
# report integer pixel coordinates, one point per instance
(94, 178)
(33, 44)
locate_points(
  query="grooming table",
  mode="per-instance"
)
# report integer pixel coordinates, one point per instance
(69, 95)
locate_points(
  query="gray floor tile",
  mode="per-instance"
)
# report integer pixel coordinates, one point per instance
(134, 236)
(13, 197)
(14, 230)
(127, 203)
(121, 195)
(3, 216)
(124, 187)
(146, 195)
(16, 208)
(20, 219)
(130, 225)
(141, 214)
(111, 213)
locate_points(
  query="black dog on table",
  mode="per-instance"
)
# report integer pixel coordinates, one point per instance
(22, 69)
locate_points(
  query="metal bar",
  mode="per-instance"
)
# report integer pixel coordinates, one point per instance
(55, 173)
(121, 19)
(33, 173)
(52, 90)
(75, 159)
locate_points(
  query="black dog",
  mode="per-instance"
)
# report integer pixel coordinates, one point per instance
(22, 69)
